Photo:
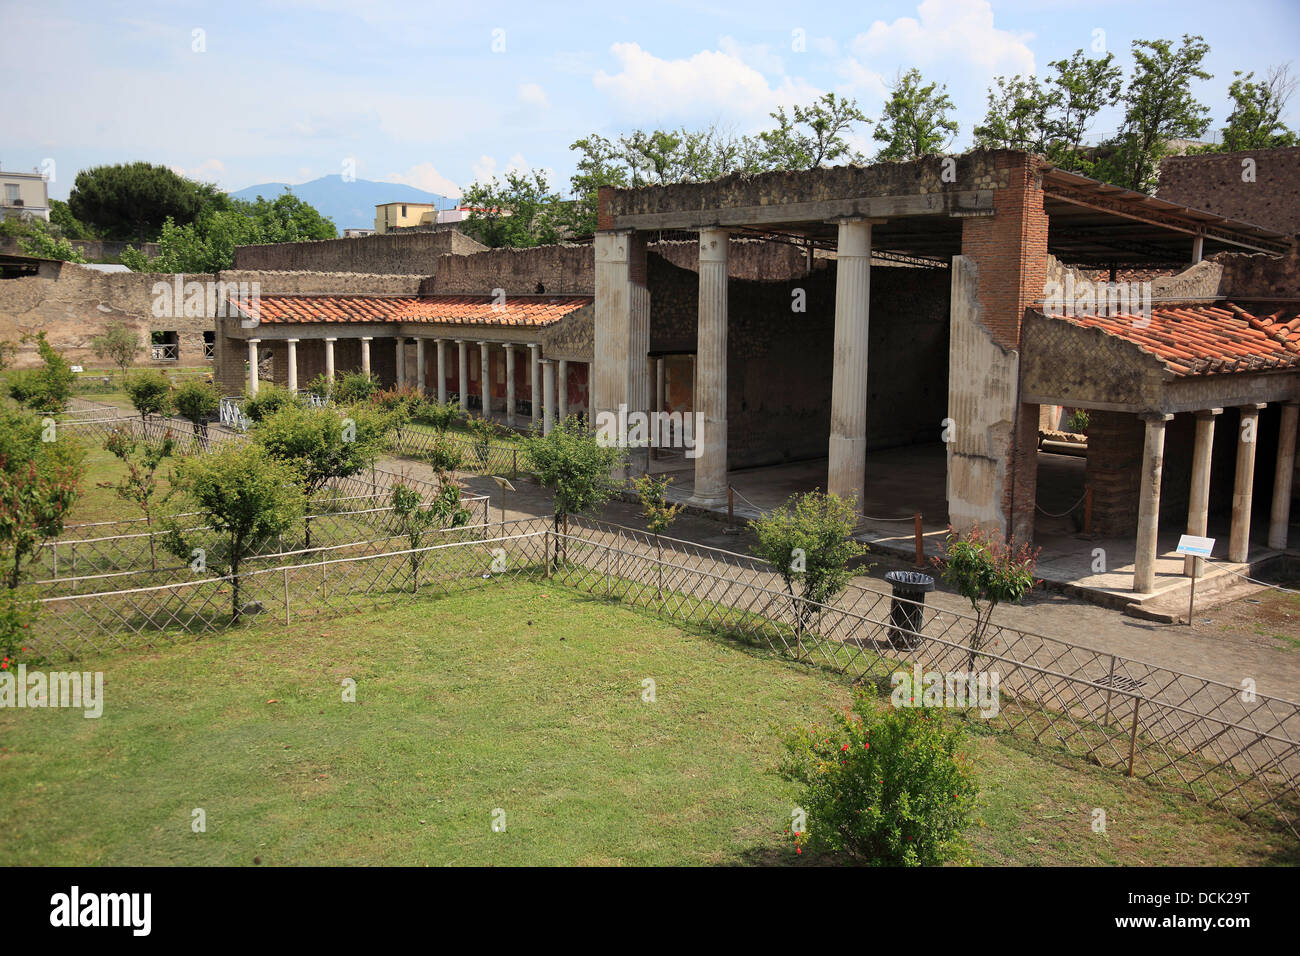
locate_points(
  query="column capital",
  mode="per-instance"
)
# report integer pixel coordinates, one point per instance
(1253, 406)
(254, 341)
(1208, 412)
(367, 338)
(1156, 418)
(459, 341)
(293, 341)
(534, 346)
(713, 244)
(331, 338)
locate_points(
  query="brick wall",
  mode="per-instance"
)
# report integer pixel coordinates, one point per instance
(399, 253)
(1213, 182)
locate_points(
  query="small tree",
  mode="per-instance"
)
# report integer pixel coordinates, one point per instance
(150, 393)
(987, 572)
(139, 485)
(245, 497)
(659, 515)
(482, 432)
(414, 518)
(807, 540)
(119, 343)
(353, 387)
(268, 400)
(885, 786)
(575, 466)
(198, 401)
(437, 415)
(45, 389)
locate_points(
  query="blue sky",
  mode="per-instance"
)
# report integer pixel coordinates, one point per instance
(290, 90)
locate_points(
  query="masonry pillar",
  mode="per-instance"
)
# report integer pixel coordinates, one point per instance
(659, 402)
(365, 354)
(847, 475)
(293, 364)
(1198, 507)
(562, 389)
(548, 389)
(252, 365)
(463, 375)
(1239, 537)
(329, 359)
(622, 331)
(421, 380)
(535, 382)
(485, 378)
(510, 384)
(1280, 516)
(400, 360)
(711, 371)
(442, 370)
(1153, 461)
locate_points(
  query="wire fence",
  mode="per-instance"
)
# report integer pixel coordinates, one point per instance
(1217, 743)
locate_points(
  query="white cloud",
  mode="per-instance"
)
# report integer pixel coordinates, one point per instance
(531, 94)
(948, 31)
(209, 170)
(710, 83)
(425, 176)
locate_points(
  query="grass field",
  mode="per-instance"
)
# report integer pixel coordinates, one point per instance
(527, 699)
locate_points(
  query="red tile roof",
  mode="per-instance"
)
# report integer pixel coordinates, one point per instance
(1205, 339)
(476, 310)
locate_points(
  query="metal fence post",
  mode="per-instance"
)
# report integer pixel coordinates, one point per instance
(1133, 735)
(286, 596)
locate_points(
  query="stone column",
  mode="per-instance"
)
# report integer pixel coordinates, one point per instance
(485, 378)
(620, 374)
(463, 379)
(665, 439)
(293, 364)
(1198, 506)
(1153, 462)
(548, 389)
(510, 384)
(400, 358)
(562, 390)
(847, 474)
(1247, 439)
(535, 382)
(421, 380)
(329, 359)
(442, 370)
(711, 371)
(365, 354)
(252, 365)
(1280, 516)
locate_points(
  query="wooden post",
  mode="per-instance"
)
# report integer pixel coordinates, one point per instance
(1133, 735)
(286, 595)
(1191, 600)
(920, 542)
(1087, 510)
(1110, 685)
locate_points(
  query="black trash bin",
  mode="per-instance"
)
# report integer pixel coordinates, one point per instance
(905, 617)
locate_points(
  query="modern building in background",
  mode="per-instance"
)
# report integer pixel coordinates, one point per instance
(24, 194)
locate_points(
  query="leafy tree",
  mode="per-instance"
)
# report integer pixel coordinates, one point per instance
(1158, 107)
(1082, 87)
(414, 518)
(1017, 117)
(46, 388)
(813, 136)
(66, 224)
(353, 387)
(321, 445)
(198, 401)
(885, 787)
(522, 211)
(659, 515)
(916, 121)
(575, 466)
(269, 400)
(987, 572)
(1257, 107)
(139, 485)
(41, 242)
(437, 415)
(150, 393)
(119, 343)
(245, 496)
(808, 541)
(133, 200)
(40, 481)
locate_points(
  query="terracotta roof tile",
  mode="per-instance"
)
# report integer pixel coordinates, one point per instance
(1206, 339)
(534, 311)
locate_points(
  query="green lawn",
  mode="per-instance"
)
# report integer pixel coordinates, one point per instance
(523, 697)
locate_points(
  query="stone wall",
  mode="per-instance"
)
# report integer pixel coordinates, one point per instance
(555, 270)
(326, 283)
(401, 253)
(1213, 182)
(1259, 276)
(95, 250)
(76, 304)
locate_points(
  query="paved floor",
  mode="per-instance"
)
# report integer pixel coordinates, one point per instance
(1225, 644)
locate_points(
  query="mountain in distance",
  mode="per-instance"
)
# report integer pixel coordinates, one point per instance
(350, 204)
